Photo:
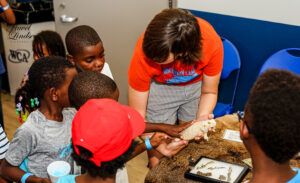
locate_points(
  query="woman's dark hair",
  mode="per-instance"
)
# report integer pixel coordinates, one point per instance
(274, 105)
(173, 31)
(51, 40)
(107, 169)
(44, 73)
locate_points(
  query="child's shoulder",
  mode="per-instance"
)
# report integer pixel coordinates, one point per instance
(28, 129)
(69, 113)
(106, 71)
(34, 119)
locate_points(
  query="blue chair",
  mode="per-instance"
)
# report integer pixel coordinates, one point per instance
(231, 63)
(287, 59)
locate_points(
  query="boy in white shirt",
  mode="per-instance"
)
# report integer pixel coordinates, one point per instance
(86, 51)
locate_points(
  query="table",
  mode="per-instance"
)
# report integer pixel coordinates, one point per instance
(173, 169)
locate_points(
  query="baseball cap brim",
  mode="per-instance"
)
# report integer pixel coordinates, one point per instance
(136, 120)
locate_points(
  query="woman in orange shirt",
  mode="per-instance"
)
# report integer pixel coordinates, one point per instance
(174, 73)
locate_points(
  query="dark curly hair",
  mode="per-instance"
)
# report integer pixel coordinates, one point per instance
(51, 40)
(274, 105)
(44, 73)
(88, 85)
(80, 37)
(173, 31)
(107, 169)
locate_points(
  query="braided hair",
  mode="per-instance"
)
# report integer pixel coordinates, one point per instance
(53, 42)
(45, 73)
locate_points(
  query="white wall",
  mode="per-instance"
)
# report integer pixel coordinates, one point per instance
(280, 11)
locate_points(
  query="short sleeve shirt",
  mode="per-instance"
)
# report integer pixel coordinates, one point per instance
(142, 69)
(106, 71)
(41, 141)
(4, 143)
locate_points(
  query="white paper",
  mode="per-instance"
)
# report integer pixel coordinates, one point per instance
(232, 135)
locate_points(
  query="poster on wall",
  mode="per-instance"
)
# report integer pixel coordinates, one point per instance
(17, 40)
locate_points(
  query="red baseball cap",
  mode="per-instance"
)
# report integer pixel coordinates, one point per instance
(105, 128)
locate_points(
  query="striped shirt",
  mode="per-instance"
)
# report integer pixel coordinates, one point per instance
(4, 143)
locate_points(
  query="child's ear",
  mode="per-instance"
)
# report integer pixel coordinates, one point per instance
(53, 94)
(71, 59)
(244, 132)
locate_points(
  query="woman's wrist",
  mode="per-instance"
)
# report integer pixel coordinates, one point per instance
(204, 117)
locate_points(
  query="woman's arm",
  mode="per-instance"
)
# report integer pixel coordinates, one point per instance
(138, 100)
(7, 15)
(209, 96)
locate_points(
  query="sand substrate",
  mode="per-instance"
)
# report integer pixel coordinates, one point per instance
(173, 169)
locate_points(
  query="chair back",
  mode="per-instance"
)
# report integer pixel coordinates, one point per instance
(286, 59)
(231, 63)
(231, 60)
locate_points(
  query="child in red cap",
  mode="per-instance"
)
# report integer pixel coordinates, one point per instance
(94, 85)
(102, 132)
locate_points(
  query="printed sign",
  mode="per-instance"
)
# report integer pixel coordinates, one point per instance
(19, 32)
(18, 56)
(17, 40)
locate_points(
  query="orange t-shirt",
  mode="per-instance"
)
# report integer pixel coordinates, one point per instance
(142, 69)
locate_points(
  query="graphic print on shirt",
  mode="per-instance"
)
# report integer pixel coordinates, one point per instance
(65, 151)
(173, 76)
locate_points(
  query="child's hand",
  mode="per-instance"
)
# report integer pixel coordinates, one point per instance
(45, 180)
(38, 179)
(172, 148)
(173, 130)
(23, 81)
(157, 138)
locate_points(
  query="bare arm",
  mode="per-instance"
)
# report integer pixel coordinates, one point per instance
(172, 130)
(138, 100)
(15, 174)
(155, 140)
(2, 180)
(209, 96)
(8, 15)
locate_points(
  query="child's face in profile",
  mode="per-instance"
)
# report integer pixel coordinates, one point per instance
(90, 58)
(63, 89)
(115, 95)
(37, 55)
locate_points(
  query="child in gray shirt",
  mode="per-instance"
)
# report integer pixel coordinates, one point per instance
(46, 135)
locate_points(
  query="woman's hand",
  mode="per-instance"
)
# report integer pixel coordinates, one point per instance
(204, 118)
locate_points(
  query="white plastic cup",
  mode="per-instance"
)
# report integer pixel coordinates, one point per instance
(58, 169)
